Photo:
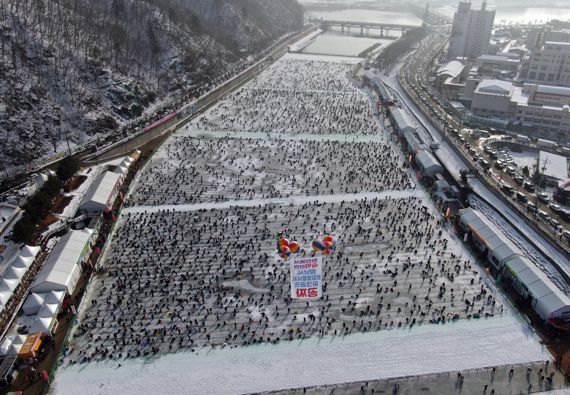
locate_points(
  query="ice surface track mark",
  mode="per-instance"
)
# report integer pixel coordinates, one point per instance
(294, 200)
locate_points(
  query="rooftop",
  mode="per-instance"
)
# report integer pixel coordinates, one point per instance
(495, 87)
(558, 43)
(553, 90)
(102, 188)
(501, 58)
(402, 119)
(452, 69)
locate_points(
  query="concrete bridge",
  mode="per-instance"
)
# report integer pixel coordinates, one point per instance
(365, 27)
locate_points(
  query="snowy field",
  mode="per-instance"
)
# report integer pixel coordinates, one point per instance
(178, 280)
(192, 170)
(193, 295)
(386, 354)
(295, 95)
(525, 158)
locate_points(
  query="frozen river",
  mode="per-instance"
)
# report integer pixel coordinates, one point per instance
(337, 43)
(194, 299)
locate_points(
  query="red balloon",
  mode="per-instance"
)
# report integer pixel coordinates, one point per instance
(285, 252)
(283, 242)
(327, 251)
(329, 239)
(294, 247)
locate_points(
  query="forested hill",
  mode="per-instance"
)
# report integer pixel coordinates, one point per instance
(84, 67)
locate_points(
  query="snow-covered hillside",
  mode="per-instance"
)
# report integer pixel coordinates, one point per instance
(81, 68)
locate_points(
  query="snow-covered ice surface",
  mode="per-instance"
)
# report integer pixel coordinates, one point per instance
(295, 200)
(337, 43)
(300, 128)
(191, 170)
(296, 95)
(344, 138)
(195, 274)
(385, 354)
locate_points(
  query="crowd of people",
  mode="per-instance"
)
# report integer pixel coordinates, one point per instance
(295, 97)
(183, 280)
(184, 277)
(191, 170)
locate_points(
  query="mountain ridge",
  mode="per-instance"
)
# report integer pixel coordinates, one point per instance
(73, 70)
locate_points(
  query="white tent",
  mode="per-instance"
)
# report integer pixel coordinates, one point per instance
(101, 193)
(22, 262)
(126, 162)
(54, 297)
(29, 251)
(48, 310)
(33, 303)
(12, 344)
(121, 170)
(8, 285)
(14, 273)
(5, 297)
(62, 269)
(41, 324)
(61, 276)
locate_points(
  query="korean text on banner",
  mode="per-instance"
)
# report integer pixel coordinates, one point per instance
(306, 278)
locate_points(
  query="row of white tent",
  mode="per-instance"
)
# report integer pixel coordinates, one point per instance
(547, 300)
(125, 164)
(40, 316)
(62, 269)
(14, 272)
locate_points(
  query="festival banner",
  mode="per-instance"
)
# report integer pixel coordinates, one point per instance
(306, 278)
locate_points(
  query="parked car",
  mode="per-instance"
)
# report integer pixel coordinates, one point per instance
(484, 164)
(509, 190)
(531, 208)
(543, 197)
(529, 186)
(555, 224)
(555, 208)
(518, 179)
(521, 197)
(544, 216)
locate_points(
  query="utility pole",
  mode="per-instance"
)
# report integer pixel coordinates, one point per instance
(543, 168)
